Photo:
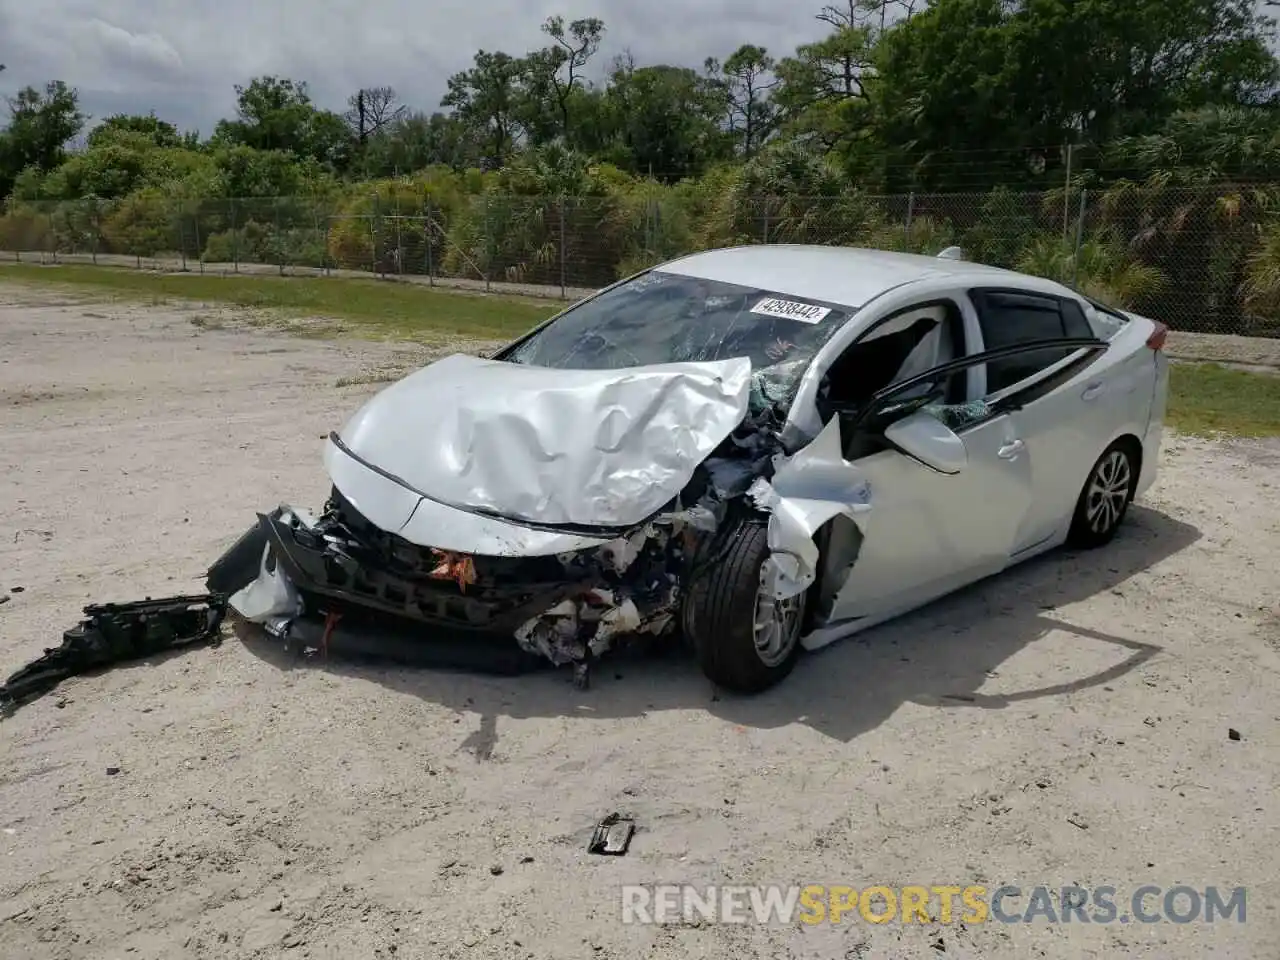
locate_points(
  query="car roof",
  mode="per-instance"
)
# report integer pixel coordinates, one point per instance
(850, 276)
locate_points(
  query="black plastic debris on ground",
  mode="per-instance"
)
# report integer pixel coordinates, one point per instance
(116, 633)
(612, 836)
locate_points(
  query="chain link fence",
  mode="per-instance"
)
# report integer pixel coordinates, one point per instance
(1202, 260)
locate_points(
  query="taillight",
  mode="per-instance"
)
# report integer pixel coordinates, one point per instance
(1158, 336)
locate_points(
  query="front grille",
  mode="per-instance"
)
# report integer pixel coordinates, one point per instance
(412, 561)
(346, 558)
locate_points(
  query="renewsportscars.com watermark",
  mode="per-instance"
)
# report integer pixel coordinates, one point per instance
(815, 903)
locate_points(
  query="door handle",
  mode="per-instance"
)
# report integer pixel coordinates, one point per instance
(1011, 450)
(1093, 390)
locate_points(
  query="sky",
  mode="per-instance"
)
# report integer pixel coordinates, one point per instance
(182, 59)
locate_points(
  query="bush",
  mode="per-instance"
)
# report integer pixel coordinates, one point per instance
(141, 224)
(26, 228)
(1102, 268)
(242, 244)
(388, 224)
(1262, 275)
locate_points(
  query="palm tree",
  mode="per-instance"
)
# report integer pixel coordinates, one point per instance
(1176, 214)
(1262, 277)
(1101, 268)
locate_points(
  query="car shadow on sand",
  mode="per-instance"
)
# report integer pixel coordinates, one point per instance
(940, 655)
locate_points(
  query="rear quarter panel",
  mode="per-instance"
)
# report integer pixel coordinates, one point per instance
(1133, 405)
(1129, 369)
(1154, 435)
(1068, 429)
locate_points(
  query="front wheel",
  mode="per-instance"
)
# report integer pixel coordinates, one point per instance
(746, 639)
(1106, 496)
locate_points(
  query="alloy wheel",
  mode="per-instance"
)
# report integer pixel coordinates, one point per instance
(1108, 491)
(777, 622)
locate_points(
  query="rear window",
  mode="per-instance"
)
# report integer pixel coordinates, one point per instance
(1106, 321)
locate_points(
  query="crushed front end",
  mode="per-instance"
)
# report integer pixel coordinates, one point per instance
(574, 545)
(566, 608)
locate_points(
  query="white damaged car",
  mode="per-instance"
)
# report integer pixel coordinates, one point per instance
(761, 449)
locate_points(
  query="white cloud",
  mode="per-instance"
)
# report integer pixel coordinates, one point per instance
(183, 60)
(142, 53)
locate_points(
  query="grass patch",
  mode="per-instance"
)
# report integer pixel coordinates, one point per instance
(1205, 398)
(373, 307)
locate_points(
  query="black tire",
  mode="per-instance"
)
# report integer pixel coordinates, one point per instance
(1090, 526)
(722, 616)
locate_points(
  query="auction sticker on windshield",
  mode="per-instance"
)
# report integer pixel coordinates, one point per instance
(790, 310)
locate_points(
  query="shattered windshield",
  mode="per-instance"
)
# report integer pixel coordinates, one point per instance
(667, 318)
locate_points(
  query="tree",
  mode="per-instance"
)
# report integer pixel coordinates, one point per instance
(559, 67)
(150, 127)
(1147, 59)
(416, 141)
(667, 119)
(878, 14)
(41, 122)
(487, 98)
(372, 109)
(744, 82)
(247, 172)
(276, 113)
(993, 80)
(844, 58)
(824, 74)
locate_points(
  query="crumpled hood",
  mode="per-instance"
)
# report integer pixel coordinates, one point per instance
(592, 448)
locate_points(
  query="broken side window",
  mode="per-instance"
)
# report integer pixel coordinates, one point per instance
(941, 397)
(957, 416)
(903, 346)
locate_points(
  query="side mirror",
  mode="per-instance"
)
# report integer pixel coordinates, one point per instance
(930, 441)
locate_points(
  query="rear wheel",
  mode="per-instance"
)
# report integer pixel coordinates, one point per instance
(746, 639)
(1106, 496)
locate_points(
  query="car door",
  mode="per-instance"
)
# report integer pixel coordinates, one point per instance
(928, 532)
(1062, 416)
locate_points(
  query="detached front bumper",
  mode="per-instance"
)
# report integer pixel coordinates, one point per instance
(356, 564)
(341, 582)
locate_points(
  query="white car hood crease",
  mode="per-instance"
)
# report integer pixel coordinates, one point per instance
(593, 448)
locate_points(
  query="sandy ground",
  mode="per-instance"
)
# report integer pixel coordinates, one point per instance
(1066, 723)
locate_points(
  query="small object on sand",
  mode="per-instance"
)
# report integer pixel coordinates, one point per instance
(112, 771)
(612, 836)
(1233, 733)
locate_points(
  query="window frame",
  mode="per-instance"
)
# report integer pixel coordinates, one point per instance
(955, 318)
(1085, 351)
(976, 296)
